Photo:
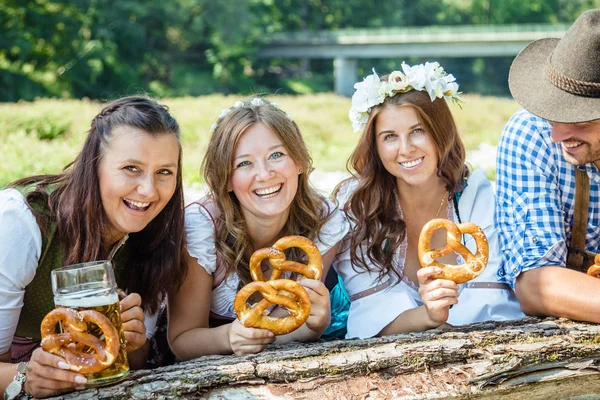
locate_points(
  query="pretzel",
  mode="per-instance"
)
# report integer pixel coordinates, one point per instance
(474, 263)
(594, 270)
(71, 343)
(277, 258)
(274, 292)
(284, 292)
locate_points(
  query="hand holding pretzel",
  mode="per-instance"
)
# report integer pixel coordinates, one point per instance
(284, 292)
(594, 270)
(279, 291)
(474, 263)
(71, 343)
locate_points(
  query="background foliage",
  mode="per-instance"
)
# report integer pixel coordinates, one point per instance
(102, 49)
(43, 136)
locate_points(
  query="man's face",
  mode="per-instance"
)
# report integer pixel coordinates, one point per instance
(580, 141)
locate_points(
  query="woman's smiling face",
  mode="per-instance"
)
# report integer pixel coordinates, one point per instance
(265, 176)
(137, 176)
(405, 147)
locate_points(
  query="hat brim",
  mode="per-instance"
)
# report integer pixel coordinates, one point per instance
(531, 88)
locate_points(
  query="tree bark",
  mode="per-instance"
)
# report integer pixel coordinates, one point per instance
(530, 358)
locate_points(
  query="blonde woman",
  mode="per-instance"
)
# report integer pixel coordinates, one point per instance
(257, 168)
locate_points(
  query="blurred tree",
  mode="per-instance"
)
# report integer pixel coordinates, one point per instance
(32, 46)
(106, 48)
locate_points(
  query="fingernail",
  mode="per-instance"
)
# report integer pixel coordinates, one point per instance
(63, 365)
(80, 379)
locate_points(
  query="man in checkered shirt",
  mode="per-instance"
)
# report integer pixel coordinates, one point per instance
(557, 82)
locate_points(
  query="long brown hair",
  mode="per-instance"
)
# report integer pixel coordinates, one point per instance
(156, 265)
(373, 204)
(308, 211)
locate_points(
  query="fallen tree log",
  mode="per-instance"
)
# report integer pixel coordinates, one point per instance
(532, 358)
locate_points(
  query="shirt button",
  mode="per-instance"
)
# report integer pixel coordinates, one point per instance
(535, 239)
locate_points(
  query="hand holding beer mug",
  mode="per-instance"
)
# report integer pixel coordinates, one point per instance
(91, 335)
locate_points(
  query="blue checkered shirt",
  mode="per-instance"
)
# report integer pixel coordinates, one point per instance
(535, 198)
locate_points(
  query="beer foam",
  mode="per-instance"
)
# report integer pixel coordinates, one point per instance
(87, 301)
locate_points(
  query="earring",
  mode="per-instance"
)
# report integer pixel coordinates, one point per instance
(229, 190)
(301, 171)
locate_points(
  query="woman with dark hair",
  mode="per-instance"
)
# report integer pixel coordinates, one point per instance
(256, 167)
(409, 167)
(120, 199)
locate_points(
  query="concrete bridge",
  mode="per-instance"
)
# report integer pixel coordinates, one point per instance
(345, 47)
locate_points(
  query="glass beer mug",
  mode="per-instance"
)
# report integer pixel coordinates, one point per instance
(92, 286)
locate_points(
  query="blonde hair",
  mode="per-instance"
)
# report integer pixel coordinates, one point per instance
(308, 211)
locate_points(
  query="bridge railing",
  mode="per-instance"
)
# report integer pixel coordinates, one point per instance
(419, 34)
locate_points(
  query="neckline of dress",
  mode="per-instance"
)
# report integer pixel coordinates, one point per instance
(404, 246)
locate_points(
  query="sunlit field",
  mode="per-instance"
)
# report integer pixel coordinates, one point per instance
(43, 136)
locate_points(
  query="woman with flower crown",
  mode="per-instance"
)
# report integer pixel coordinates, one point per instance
(409, 167)
(256, 168)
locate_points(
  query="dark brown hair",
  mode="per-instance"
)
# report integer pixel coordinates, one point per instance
(373, 206)
(73, 197)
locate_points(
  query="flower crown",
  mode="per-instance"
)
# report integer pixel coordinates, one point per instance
(239, 104)
(429, 77)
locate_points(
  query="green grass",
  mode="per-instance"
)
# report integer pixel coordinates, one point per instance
(322, 119)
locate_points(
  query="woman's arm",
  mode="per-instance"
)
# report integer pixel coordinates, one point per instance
(47, 375)
(189, 307)
(189, 332)
(20, 250)
(437, 296)
(413, 320)
(7, 371)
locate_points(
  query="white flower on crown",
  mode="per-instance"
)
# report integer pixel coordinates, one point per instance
(359, 119)
(367, 93)
(416, 76)
(239, 104)
(398, 81)
(224, 112)
(429, 77)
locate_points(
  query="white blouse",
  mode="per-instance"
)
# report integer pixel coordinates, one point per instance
(376, 304)
(200, 236)
(20, 251)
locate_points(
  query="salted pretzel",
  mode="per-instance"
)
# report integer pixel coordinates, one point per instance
(71, 343)
(274, 292)
(312, 270)
(474, 263)
(594, 270)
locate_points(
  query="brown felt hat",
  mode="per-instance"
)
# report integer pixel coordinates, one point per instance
(559, 79)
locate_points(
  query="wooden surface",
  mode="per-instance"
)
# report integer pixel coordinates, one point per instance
(531, 358)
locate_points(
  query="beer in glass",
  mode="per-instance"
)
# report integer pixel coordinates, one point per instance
(92, 286)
